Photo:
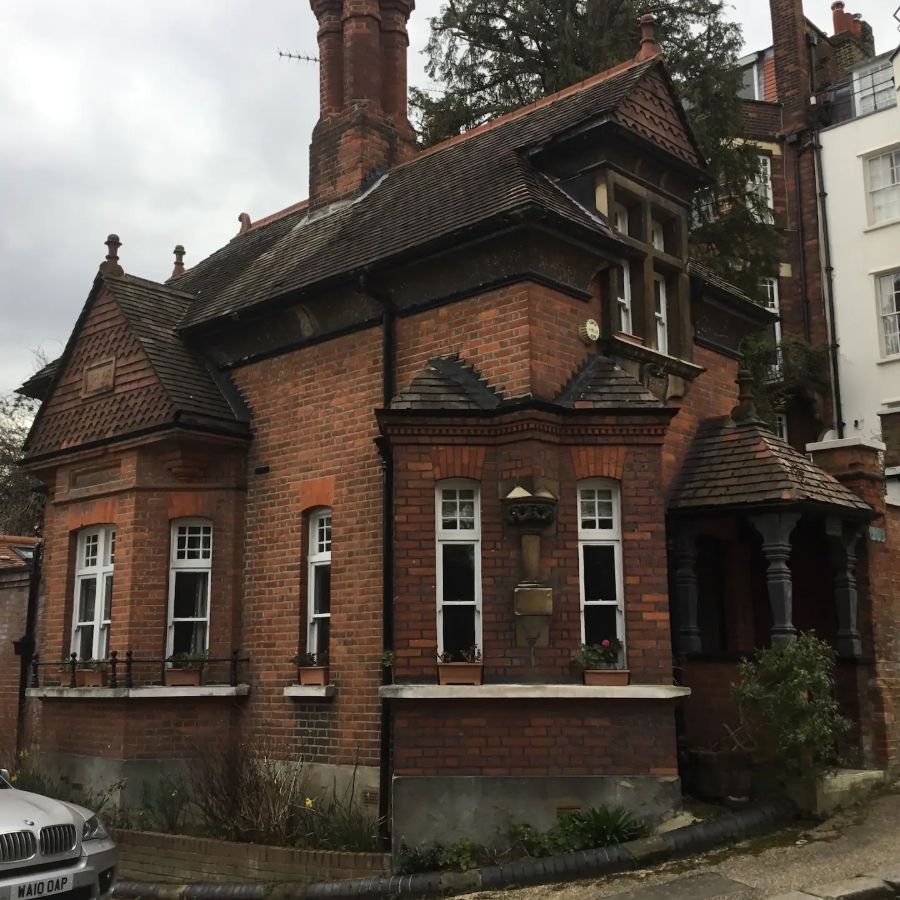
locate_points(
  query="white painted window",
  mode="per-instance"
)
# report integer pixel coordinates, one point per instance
(458, 533)
(658, 236)
(661, 312)
(620, 218)
(600, 561)
(318, 580)
(95, 560)
(189, 586)
(889, 304)
(769, 287)
(761, 186)
(884, 186)
(623, 297)
(873, 88)
(781, 426)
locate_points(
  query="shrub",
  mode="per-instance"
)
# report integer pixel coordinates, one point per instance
(599, 826)
(456, 857)
(786, 699)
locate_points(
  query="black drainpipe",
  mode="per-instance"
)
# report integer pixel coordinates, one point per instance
(24, 647)
(837, 405)
(387, 556)
(799, 149)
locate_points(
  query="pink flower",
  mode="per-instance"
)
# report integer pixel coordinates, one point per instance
(604, 643)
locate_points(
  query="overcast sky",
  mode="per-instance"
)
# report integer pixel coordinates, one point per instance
(162, 121)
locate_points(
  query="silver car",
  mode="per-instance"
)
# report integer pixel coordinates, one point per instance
(52, 849)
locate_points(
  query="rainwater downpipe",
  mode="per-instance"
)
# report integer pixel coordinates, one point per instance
(385, 767)
(822, 195)
(25, 647)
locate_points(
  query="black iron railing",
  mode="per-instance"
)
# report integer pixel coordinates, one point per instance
(132, 671)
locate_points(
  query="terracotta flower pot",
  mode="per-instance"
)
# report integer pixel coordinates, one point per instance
(90, 677)
(607, 677)
(313, 675)
(183, 677)
(460, 673)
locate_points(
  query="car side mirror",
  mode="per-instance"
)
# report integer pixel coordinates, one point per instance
(4, 774)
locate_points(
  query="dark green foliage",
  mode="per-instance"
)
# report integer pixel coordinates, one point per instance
(21, 510)
(786, 699)
(492, 56)
(600, 826)
(457, 857)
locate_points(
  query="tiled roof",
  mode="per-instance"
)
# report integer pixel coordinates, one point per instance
(739, 464)
(153, 311)
(601, 384)
(36, 386)
(453, 187)
(9, 545)
(698, 270)
(447, 383)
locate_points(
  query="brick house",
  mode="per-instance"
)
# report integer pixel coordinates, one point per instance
(463, 396)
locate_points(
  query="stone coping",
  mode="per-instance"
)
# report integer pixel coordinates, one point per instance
(309, 691)
(531, 692)
(837, 443)
(150, 692)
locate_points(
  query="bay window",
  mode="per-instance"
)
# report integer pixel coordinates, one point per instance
(318, 575)
(189, 587)
(458, 563)
(600, 561)
(92, 613)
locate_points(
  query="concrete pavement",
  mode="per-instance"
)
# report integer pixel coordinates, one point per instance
(812, 861)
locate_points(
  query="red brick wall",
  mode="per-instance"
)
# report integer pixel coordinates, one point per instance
(535, 738)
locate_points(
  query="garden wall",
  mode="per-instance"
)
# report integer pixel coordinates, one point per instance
(179, 859)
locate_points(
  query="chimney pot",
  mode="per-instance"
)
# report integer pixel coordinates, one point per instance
(246, 224)
(179, 261)
(110, 266)
(649, 47)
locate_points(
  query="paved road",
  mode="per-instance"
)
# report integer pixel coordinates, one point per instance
(860, 841)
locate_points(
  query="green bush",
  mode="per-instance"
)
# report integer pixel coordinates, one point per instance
(600, 826)
(437, 857)
(787, 704)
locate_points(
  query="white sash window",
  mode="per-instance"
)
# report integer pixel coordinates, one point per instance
(189, 587)
(92, 611)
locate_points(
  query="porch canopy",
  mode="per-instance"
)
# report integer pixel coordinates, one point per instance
(737, 468)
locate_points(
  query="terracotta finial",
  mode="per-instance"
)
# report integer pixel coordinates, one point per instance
(745, 411)
(179, 261)
(649, 48)
(244, 219)
(110, 266)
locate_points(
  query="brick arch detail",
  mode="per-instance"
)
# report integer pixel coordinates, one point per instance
(598, 462)
(95, 512)
(317, 492)
(457, 462)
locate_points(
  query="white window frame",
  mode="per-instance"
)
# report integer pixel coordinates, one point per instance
(318, 555)
(100, 567)
(890, 348)
(867, 85)
(445, 536)
(604, 537)
(203, 564)
(658, 235)
(762, 187)
(773, 304)
(781, 426)
(891, 188)
(623, 299)
(661, 312)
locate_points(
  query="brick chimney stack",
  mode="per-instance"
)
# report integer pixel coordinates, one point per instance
(793, 70)
(363, 127)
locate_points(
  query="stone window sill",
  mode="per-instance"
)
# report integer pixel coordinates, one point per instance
(531, 692)
(152, 692)
(309, 691)
(887, 360)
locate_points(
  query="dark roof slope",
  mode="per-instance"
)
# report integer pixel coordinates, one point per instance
(153, 311)
(739, 464)
(36, 386)
(455, 186)
(601, 384)
(447, 383)
(15, 551)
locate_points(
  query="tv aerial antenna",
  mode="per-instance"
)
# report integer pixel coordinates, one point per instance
(298, 57)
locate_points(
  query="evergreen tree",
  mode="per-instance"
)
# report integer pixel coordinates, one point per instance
(492, 56)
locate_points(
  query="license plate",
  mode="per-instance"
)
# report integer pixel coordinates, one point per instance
(43, 887)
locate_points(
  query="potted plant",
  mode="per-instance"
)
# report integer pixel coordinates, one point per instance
(186, 669)
(600, 663)
(460, 667)
(312, 668)
(90, 673)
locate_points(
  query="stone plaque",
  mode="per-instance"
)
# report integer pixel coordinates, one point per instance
(99, 376)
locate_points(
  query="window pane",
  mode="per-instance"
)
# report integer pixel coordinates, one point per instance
(84, 641)
(459, 572)
(188, 637)
(323, 535)
(111, 548)
(193, 542)
(321, 589)
(87, 599)
(107, 598)
(91, 544)
(599, 573)
(596, 509)
(190, 595)
(320, 633)
(599, 624)
(458, 628)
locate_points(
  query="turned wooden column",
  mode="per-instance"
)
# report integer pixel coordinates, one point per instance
(776, 529)
(842, 540)
(687, 637)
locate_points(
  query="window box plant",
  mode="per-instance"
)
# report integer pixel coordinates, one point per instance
(91, 673)
(312, 669)
(601, 663)
(461, 667)
(186, 669)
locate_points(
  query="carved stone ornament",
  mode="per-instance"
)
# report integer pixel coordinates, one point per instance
(529, 512)
(656, 379)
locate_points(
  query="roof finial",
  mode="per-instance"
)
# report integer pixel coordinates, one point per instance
(244, 219)
(179, 261)
(745, 411)
(111, 264)
(649, 48)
